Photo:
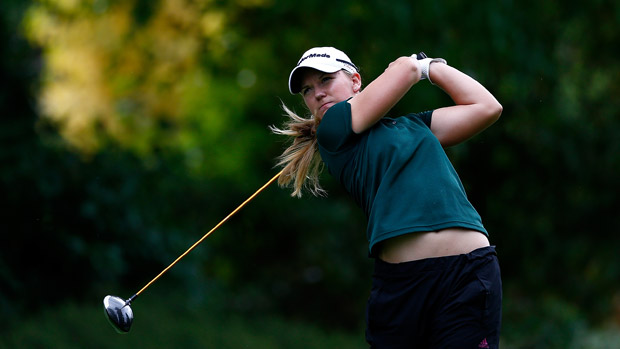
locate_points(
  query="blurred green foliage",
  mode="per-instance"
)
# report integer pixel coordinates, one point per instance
(130, 128)
(162, 326)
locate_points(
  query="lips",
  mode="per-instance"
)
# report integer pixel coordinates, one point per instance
(323, 108)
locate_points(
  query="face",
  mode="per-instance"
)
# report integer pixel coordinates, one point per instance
(322, 90)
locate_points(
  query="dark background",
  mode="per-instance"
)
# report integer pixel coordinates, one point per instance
(130, 128)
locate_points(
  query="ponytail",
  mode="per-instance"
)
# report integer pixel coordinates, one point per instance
(301, 160)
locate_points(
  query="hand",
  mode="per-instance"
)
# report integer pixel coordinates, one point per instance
(425, 66)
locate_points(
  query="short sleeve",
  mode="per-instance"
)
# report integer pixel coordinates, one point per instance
(425, 116)
(335, 130)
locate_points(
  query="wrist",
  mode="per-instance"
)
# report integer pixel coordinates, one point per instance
(425, 66)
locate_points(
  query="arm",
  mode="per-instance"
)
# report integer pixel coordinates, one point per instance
(370, 105)
(475, 109)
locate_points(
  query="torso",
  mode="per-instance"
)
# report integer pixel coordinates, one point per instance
(400, 175)
(445, 242)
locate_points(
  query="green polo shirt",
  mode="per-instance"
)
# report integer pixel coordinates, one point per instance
(397, 172)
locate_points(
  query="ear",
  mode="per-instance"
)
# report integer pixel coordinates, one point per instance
(357, 82)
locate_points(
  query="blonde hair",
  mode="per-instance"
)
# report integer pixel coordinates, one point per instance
(301, 160)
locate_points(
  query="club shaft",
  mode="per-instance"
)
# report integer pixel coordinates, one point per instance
(207, 234)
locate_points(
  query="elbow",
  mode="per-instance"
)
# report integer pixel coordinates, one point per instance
(498, 111)
(494, 111)
(488, 113)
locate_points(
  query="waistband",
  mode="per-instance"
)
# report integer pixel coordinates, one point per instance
(386, 269)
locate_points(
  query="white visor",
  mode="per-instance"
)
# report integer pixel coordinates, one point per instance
(325, 59)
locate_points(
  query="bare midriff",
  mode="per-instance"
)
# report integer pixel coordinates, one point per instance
(445, 242)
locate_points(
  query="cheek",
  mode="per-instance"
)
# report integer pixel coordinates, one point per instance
(310, 104)
(307, 102)
(345, 91)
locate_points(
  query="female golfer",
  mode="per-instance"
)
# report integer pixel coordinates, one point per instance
(437, 281)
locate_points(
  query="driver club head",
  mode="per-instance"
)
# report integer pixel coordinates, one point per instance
(119, 313)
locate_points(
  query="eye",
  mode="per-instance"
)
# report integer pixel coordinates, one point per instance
(326, 79)
(305, 90)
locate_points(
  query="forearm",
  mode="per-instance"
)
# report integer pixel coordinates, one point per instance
(463, 89)
(475, 109)
(370, 105)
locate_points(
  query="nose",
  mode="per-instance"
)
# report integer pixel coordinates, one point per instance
(319, 93)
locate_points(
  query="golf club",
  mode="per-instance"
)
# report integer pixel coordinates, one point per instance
(119, 312)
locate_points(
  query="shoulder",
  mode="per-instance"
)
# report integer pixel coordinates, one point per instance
(335, 127)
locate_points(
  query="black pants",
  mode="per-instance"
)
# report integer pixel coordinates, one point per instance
(445, 302)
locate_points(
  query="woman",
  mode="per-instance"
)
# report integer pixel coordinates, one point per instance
(436, 282)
